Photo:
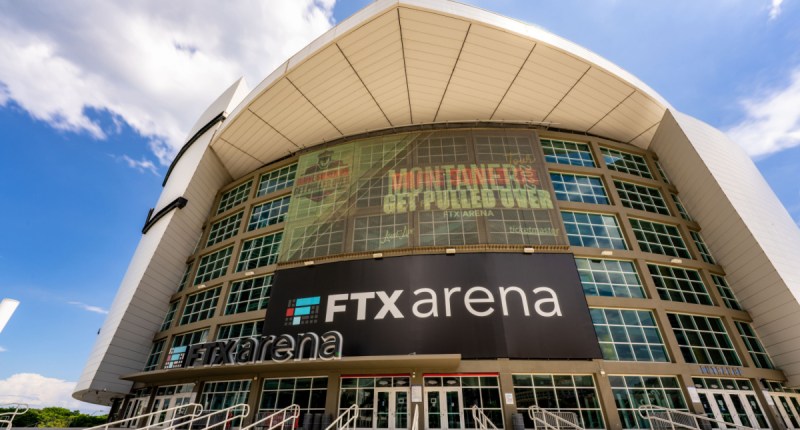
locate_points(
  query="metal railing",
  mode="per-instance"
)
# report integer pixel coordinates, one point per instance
(665, 418)
(346, 419)
(7, 418)
(553, 420)
(277, 419)
(481, 420)
(220, 418)
(415, 418)
(190, 410)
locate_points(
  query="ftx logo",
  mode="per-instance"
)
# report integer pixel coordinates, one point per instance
(302, 311)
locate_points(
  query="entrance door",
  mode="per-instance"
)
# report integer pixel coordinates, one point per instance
(168, 397)
(135, 408)
(739, 408)
(391, 408)
(443, 409)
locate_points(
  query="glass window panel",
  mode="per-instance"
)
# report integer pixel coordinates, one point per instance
(640, 197)
(630, 392)
(593, 230)
(754, 346)
(578, 188)
(705, 253)
(627, 340)
(249, 295)
(269, 213)
(679, 285)
(561, 152)
(659, 238)
(200, 306)
(276, 180)
(626, 162)
(615, 278)
(224, 229)
(223, 394)
(259, 252)
(213, 265)
(695, 349)
(563, 393)
(234, 197)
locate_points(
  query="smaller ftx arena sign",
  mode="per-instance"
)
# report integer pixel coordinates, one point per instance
(476, 305)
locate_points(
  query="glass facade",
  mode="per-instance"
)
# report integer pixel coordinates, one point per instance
(219, 395)
(200, 306)
(155, 355)
(213, 265)
(628, 335)
(269, 213)
(493, 190)
(626, 162)
(640, 197)
(703, 340)
(754, 347)
(438, 188)
(562, 393)
(579, 188)
(259, 252)
(679, 285)
(613, 278)
(726, 292)
(170, 315)
(705, 254)
(276, 180)
(659, 238)
(633, 391)
(561, 152)
(234, 197)
(249, 295)
(308, 393)
(224, 229)
(593, 230)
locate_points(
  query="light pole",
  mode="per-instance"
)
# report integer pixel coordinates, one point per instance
(7, 307)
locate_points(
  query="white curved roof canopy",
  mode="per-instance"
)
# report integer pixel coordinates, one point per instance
(403, 62)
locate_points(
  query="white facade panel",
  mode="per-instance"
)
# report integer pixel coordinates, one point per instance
(718, 179)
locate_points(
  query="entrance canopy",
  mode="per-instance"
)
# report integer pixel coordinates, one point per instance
(402, 62)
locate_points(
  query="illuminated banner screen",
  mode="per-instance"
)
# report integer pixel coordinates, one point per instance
(432, 188)
(476, 305)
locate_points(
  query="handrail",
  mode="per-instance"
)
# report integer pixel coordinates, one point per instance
(197, 409)
(673, 418)
(557, 420)
(415, 420)
(231, 413)
(483, 421)
(345, 419)
(8, 417)
(275, 422)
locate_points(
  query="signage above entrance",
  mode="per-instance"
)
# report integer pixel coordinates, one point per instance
(476, 305)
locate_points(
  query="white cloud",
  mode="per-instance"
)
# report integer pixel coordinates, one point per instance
(775, 9)
(39, 391)
(3, 349)
(90, 308)
(143, 165)
(153, 64)
(772, 121)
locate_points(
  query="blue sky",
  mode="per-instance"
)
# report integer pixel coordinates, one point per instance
(95, 100)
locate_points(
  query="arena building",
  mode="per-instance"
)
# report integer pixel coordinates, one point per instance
(432, 207)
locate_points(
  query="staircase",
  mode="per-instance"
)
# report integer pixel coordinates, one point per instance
(553, 420)
(180, 414)
(6, 418)
(672, 419)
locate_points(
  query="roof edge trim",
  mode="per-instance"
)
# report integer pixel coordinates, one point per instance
(220, 117)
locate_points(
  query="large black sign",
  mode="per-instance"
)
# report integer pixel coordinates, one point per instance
(476, 305)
